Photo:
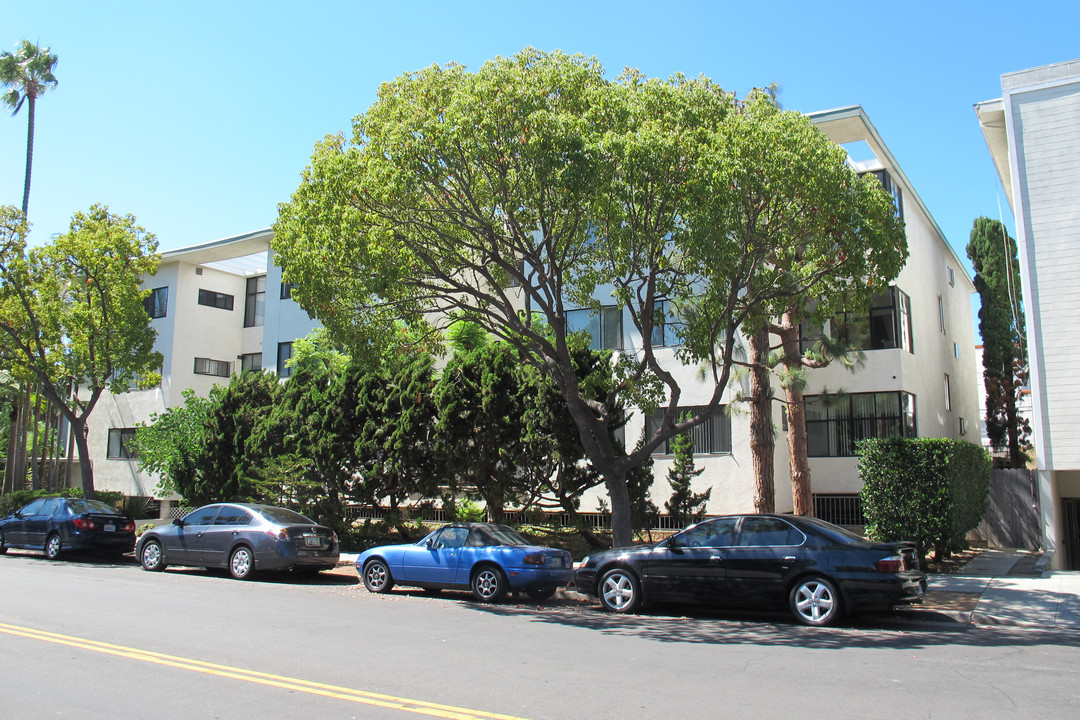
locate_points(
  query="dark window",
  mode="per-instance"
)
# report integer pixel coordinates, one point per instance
(251, 361)
(50, 507)
(887, 325)
(284, 354)
(666, 323)
(32, 508)
(233, 516)
(217, 368)
(834, 423)
(604, 326)
(286, 290)
(892, 188)
(202, 516)
(711, 436)
(157, 302)
(215, 299)
(255, 302)
(765, 531)
(711, 533)
(120, 444)
(451, 537)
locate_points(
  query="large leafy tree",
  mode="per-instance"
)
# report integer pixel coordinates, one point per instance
(531, 187)
(72, 314)
(28, 73)
(172, 444)
(993, 254)
(831, 240)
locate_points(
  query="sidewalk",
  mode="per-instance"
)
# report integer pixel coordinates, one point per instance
(1000, 587)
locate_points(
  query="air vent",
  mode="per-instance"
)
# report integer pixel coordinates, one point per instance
(198, 271)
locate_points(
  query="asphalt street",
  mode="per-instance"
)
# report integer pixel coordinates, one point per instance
(94, 639)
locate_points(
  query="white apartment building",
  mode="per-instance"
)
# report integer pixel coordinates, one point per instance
(1033, 134)
(226, 310)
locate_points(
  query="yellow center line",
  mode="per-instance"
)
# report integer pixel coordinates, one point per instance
(331, 691)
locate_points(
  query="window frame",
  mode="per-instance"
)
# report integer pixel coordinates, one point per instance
(247, 362)
(720, 437)
(215, 299)
(283, 370)
(846, 421)
(255, 301)
(117, 444)
(604, 316)
(213, 368)
(157, 303)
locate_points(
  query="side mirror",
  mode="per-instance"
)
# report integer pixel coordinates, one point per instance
(178, 522)
(673, 543)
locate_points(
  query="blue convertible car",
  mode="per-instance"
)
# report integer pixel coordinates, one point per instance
(491, 560)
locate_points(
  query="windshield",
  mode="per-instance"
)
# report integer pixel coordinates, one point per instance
(283, 516)
(91, 506)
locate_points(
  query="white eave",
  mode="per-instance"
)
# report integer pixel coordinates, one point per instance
(851, 124)
(991, 114)
(241, 254)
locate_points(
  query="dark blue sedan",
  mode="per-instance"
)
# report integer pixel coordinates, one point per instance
(490, 560)
(57, 524)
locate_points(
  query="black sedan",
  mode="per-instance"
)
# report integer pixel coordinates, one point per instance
(57, 524)
(242, 538)
(818, 570)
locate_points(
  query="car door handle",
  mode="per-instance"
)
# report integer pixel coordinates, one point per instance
(790, 558)
(716, 558)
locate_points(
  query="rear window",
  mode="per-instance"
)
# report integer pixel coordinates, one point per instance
(834, 532)
(78, 507)
(283, 516)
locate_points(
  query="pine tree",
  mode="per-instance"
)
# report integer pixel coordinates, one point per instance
(685, 506)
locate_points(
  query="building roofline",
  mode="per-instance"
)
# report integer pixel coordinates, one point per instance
(851, 124)
(223, 249)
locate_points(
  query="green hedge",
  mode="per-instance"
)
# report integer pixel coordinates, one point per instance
(14, 500)
(929, 490)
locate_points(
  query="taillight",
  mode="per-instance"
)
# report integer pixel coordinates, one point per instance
(891, 564)
(128, 527)
(535, 559)
(277, 534)
(84, 524)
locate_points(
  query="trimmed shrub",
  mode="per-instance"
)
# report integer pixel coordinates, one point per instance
(932, 491)
(14, 500)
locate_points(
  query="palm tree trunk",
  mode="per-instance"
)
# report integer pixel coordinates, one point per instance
(29, 154)
(35, 447)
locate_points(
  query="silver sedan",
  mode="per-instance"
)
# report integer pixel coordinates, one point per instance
(241, 537)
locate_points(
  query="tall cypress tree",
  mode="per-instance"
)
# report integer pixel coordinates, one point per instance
(1001, 323)
(685, 506)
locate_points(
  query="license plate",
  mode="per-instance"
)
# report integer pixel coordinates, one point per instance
(312, 541)
(110, 527)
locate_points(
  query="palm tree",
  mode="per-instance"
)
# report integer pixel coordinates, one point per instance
(29, 74)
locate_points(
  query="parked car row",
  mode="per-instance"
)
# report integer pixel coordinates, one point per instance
(239, 537)
(817, 570)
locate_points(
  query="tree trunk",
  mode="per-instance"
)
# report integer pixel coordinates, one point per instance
(35, 447)
(622, 533)
(87, 470)
(762, 433)
(19, 458)
(29, 153)
(13, 434)
(796, 435)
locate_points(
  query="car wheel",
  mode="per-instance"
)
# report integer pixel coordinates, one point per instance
(540, 594)
(53, 546)
(3, 546)
(488, 584)
(814, 601)
(241, 563)
(620, 591)
(377, 577)
(151, 557)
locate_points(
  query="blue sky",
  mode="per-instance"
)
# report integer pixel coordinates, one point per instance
(198, 117)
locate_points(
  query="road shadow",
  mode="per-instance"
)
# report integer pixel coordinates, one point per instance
(80, 558)
(707, 626)
(282, 577)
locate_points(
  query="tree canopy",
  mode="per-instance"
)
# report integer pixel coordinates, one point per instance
(993, 254)
(28, 73)
(72, 313)
(535, 186)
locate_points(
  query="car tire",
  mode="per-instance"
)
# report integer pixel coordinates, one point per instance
(241, 563)
(488, 584)
(3, 545)
(815, 601)
(151, 556)
(377, 577)
(540, 594)
(53, 546)
(619, 591)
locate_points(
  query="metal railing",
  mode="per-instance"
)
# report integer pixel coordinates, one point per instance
(839, 509)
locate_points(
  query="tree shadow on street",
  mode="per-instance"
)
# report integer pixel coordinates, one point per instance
(702, 625)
